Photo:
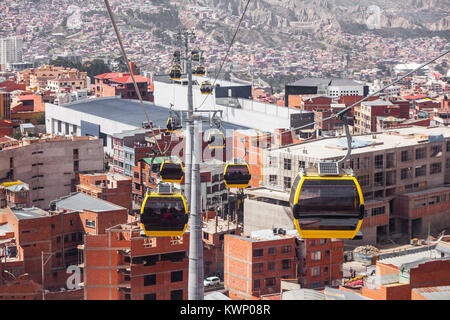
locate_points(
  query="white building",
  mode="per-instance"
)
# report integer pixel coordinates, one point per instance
(232, 98)
(10, 52)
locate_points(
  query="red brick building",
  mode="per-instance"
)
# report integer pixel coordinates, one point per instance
(254, 266)
(123, 265)
(117, 83)
(398, 281)
(112, 187)
(57, 233)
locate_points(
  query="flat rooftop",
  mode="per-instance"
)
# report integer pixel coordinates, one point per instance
(128, 111)
(80, 201)
(29, 213)
(328, 148)
(268, 193)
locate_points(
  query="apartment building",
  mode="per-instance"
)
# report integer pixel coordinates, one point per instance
(57, 233)
(410, 276)
(214, 230)
(214, 193)
(248, 145)
(128, 148)
(386, 164)
(11, 51)
(50, 166)
(38, 78)
(121, 84)
(367, 112)
(254, 266)
(112, 187)
(15, 194)
(124, 265)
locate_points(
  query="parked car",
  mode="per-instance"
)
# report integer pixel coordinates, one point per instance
(211, 281)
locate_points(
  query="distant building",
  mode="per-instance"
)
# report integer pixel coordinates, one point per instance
(325, 86)
(11, 51)
(5, 105)
(366, 114)
(121, 84)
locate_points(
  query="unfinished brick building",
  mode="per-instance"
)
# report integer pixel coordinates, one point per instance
(123, 265)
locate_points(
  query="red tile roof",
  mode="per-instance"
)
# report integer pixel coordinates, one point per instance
(121, 77)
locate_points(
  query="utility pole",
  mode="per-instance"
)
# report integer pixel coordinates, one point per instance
(195, 284)
(192, 189)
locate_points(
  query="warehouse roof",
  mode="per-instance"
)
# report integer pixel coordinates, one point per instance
(127, 111)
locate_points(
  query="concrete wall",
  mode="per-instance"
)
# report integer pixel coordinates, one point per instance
(262, 215)
(54, 113)
(53, 171)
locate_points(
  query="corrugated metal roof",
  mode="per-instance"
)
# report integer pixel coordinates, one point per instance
(80, 201)
(303, 294)
(216, 296)
(128, 111)
(435, 293)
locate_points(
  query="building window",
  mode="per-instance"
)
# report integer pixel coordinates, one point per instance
(436, 151)
(287, 164)
(176, 276)
(364, 180)
(271, 266)
(448, 146)
(258, 253)
(435, 168)
(421, 171)
(287, 182)
(256, 284)
(378, 211)
(272, 179)
(406, 173)
(150, 280)
(285, 264)
(379, 161)
(421, 153)
(150, 296)
(301, 164)
(176, 295)
(315, 271)
(315, 255)
(270, 282)
(285, 249)
(379, 179)
(258, 267)
(272, 251)
(90, 223)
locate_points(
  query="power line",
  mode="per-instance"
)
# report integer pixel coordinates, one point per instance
(229, 48)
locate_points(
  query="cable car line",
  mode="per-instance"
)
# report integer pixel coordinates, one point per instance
(124, 54)
(228, 51)
(371, 95)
